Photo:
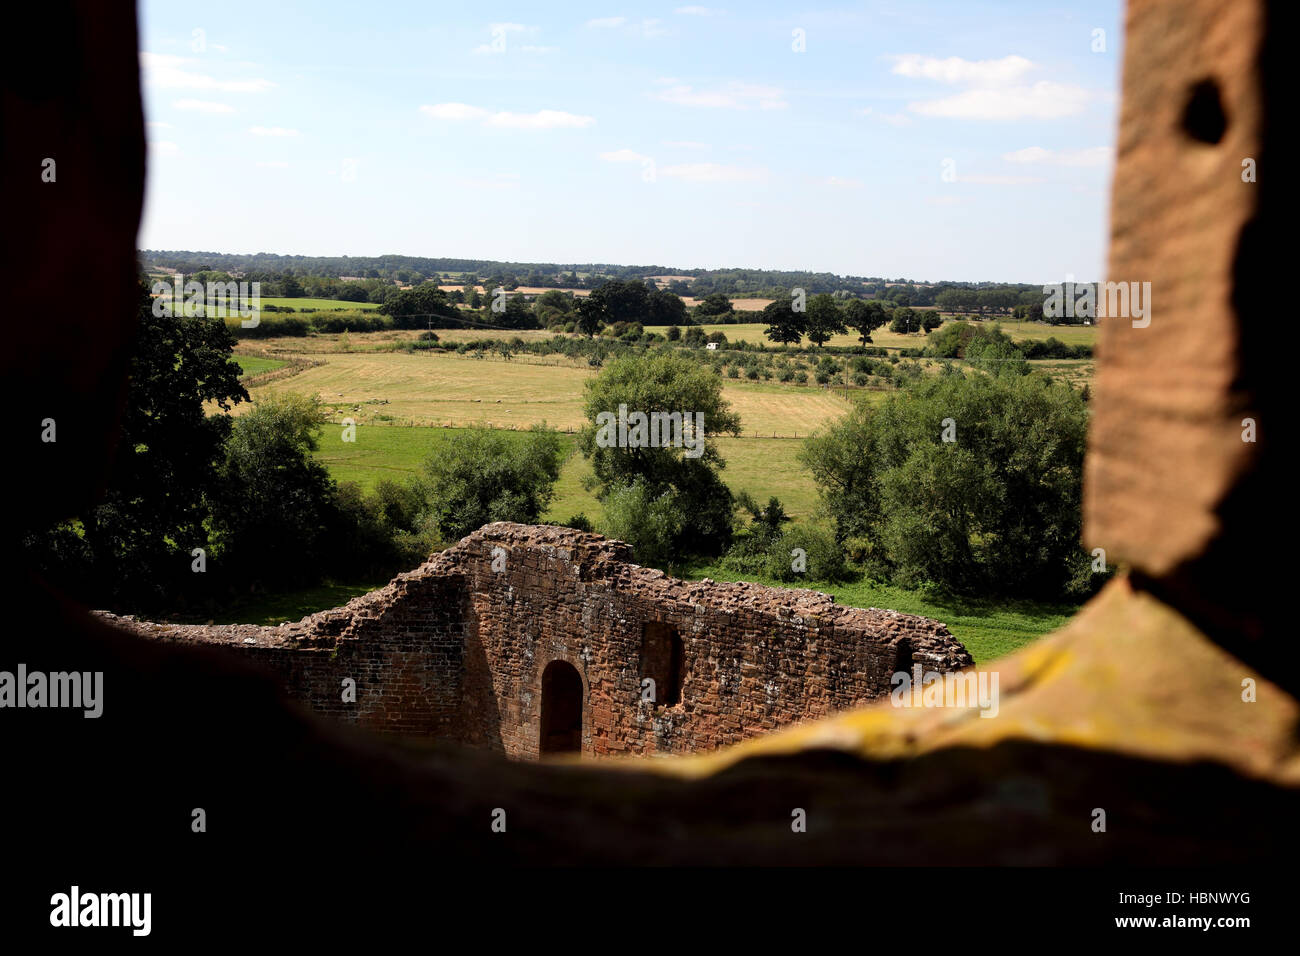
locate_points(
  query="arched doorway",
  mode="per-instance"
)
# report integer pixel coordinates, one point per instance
(561, 709)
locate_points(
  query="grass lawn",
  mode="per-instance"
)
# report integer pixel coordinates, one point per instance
(763, 467)
(989, 628)
(257, 364)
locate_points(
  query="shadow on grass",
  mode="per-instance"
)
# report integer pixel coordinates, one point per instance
(271, 609)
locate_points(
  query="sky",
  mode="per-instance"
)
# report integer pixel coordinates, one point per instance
(961, 141)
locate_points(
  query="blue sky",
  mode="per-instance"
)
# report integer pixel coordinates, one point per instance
(964, 141)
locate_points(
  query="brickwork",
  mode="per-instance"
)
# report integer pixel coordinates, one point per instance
(458, 648)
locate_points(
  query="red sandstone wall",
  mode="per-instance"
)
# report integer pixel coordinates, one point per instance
(401, 644)
(458, 647)
(755, 658)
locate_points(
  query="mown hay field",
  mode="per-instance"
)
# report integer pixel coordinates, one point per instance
(440, 389)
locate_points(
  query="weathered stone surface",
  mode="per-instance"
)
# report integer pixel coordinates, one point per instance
(458, 648)
(1165, 444)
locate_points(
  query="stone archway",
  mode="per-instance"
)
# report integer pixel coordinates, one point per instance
(561, 709)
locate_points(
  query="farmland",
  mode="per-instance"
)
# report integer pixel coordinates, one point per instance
(763, 467)
(1018, 331)
(256, 364)
(448, 390)
(307, 305)
(408, 406)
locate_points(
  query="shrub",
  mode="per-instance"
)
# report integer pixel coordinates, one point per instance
(650, 523)
(485, 475)
(579, 522)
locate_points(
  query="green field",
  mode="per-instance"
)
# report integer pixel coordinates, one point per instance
(763, 467)
(256, 364)
(307, 305)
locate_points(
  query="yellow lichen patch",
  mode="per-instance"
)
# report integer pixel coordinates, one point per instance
(1127, 675)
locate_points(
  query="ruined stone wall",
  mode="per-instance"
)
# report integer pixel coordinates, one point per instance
(402, 645)
(459, 647)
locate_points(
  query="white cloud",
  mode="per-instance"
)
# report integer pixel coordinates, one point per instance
(165, 71)
(538, 49)
(956, 70)
(734, 95)
(453, 111)
(1091, 156)
(623, 156)
(1043, 100)
(158, 124)
(686, 144)
(695, 11)
(997, 90)
(841, 182)
(606, 23)
(272, 131)
(509, 28)
(273, 164)
(203, 106)
(163, 146)
(713, 173)
(542, 119)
